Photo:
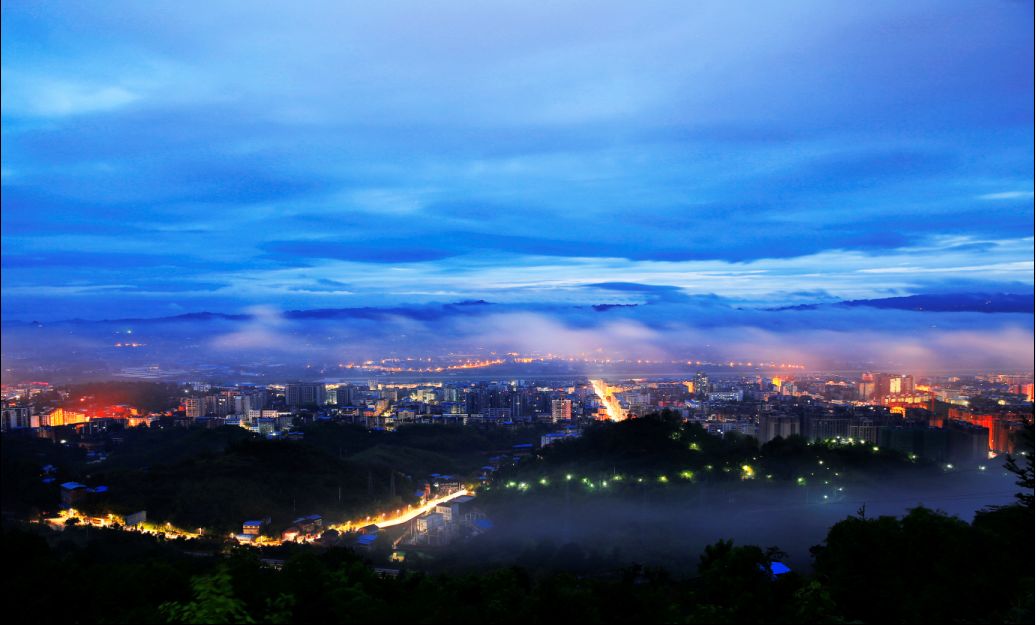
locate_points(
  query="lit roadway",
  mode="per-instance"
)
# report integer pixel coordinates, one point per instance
(403, 515)
(611, 405)
(416, 512)
(168, 530)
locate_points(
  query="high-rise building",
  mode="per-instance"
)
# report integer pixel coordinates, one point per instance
(518, 404)
(220, 405)
(450, 393)
(772, 426)
(701, 383)
(825, 428)
(886, 384)
(561, 410)
(296, 395)
(15, 418)
(194, 406)
(249, 400)
(865, 429)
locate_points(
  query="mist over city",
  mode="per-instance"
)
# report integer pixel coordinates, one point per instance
(470, 312)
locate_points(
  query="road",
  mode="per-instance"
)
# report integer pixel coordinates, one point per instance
(399, 516)
(611, 405)
(416, 512)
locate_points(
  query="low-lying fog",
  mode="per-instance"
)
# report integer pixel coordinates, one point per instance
(670, 527)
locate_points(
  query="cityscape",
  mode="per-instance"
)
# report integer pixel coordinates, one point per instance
(869, 408)
(479, 312)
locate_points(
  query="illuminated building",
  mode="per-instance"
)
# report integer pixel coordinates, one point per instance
(886, 384)
(62, 416)
(737, 395)
(254, 527)
(561, 410)
(194, 407)
(701, 383)
(1002, 428)
(430, 522)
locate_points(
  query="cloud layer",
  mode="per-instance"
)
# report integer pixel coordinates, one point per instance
(673, 330)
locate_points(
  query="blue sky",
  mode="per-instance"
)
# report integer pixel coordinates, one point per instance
(161, 158)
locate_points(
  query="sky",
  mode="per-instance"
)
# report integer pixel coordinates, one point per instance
(166, 158)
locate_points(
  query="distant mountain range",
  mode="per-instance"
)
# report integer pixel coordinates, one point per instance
(954, 302)
(950, 302)
(424, 312)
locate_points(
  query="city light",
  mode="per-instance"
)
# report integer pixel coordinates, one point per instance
(611, 405)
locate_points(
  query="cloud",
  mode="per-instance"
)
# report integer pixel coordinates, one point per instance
(511, 153)
(715, 331)
(1007, 195)
(263, 331)
(907, 344)
(51, 97)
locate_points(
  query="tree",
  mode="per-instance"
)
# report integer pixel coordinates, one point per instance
(734, 585)
(213, 602)
(1025, 474)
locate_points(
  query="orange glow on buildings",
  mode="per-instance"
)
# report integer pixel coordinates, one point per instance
(63, 416)
(1001, 427)
(607, 397)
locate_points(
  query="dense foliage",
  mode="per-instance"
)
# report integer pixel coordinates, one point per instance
(924, 567)
(664, 445)
(419, 449)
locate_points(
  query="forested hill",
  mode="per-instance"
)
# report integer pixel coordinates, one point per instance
(216, 478)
